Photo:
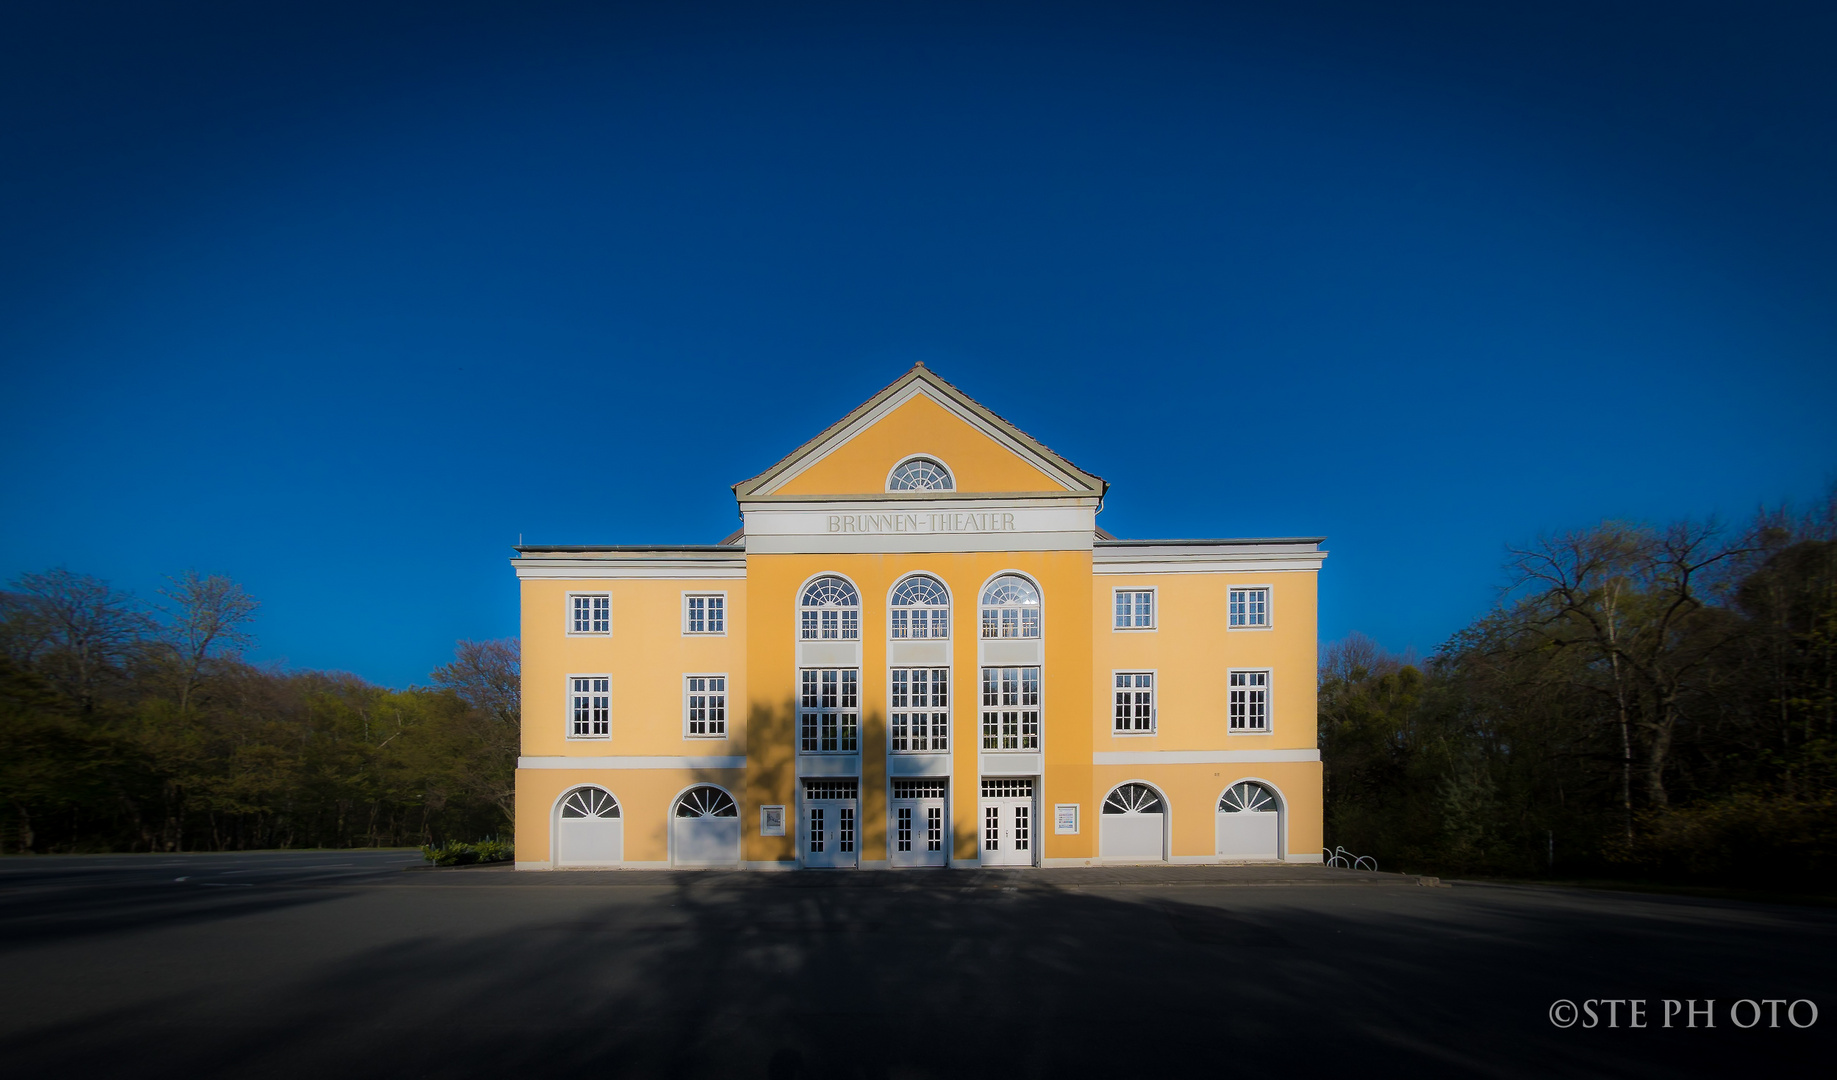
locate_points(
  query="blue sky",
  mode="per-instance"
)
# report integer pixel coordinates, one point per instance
(341, 299)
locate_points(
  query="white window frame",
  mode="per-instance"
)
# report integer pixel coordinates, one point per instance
(567, 714)
(983, 608)
(1154, 609)
(1269, 701)
(689, 594)
(847, 720)
(1269, 607)
(949, 608)
(819, 631)
(987, 731)
(726, 720)
(950, 697)
(1154, 703)
(568, 613)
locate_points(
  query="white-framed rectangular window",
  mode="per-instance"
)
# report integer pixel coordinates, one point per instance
(704, 706)
(1248, 608)
(1135, 703)
(589, 706)
(828, 711)
(704, 613)
(589, 613)
(1010, 708)
(1134, 609)
(918, 710)
(1248, 701)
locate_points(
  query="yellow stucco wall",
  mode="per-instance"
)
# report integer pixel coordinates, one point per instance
(920, 426)
(647, 656)
(1190, 651)
(646, 797)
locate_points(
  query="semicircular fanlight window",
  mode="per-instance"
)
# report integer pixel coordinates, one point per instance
(1247, 798)
(1133, 799)
(589, 802)
(921, 474)
(706, 802)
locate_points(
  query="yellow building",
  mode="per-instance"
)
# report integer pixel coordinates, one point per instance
(919, 650)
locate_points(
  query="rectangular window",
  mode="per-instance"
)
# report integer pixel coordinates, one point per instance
(829, 711)
(1023, 816)
(934, 829)
(1249, 608)
(589, 706)
(845, 828)
(705, 706)
(589, 613)
(704, 613)
(991, 828)
(1135, 703)
(920, 710)
(902, 832)
(1135, 609)
(1249, 701)
(816, 828)
(1011, 708)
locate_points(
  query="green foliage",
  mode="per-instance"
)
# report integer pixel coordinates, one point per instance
(1648, 703)
(120, 733)
(454, 853)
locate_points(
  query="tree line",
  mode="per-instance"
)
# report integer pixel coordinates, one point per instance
(128, 725)
(1656, 702)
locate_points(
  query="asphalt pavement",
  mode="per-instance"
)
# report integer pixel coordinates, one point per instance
(359, 964)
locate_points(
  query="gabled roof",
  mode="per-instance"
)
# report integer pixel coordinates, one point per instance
(921, 380)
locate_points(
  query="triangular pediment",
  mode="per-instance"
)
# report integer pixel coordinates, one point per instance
(921, 414)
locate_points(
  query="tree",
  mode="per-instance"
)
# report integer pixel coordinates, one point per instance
(75, 630)
(206, 617)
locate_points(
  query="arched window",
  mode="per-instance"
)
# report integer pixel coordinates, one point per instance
(1133, 799)
(706, 802)
(589, 802)
(830, 611)
(1247, 798)
(920, 474)
(1010, 608)
(921, 609)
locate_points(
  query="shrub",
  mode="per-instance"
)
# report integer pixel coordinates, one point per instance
(454, 853)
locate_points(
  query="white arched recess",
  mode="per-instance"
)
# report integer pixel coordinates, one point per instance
(1133, 836)
(1252, 836)
(596, 839)
(704, 841)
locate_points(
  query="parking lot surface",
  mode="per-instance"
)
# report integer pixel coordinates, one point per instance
(360, 964)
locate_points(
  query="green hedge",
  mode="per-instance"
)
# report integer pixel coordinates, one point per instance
(454, 853)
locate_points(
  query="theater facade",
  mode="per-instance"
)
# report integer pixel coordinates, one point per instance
(920, 650)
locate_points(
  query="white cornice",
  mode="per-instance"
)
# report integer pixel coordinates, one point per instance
(587, 567)
(737, 761)
(1203, 757)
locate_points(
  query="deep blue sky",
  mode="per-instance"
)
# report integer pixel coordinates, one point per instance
(338, 299)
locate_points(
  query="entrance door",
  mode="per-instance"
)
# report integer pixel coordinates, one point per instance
(832, 825)
(918, 823)
(590, 832)
(1132, 824)
(705, 830)
(1010, 836)
(1249, 823)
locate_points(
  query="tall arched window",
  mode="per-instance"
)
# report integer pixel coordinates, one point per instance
(920, 474)
(921, 609)
(1010, 608)
(829, 611)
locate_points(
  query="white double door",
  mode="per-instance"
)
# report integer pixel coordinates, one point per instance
(831, 823)
(1008, 824)
(917, 819)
